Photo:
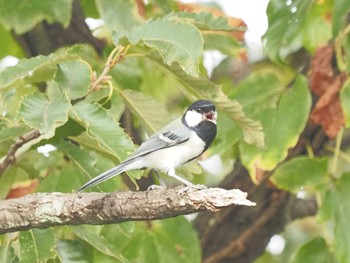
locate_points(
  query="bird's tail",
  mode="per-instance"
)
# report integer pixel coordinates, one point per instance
(104, 176)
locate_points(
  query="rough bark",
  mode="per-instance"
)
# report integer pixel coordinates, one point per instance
(42, 210)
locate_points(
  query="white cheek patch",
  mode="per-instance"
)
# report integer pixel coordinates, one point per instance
(193, 118)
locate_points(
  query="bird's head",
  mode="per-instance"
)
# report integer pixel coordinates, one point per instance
(199, 111)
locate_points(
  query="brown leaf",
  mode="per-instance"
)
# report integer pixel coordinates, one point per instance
(23, 189)
(326, 82)
(234, 22)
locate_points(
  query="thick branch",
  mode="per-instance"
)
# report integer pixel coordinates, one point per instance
(43, 210)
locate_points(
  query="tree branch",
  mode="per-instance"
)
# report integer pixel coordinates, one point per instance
(43, 210)
(11, 154)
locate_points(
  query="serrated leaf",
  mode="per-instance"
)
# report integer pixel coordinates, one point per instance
(203, 20)
(94, 238)
(200, 87)
(301, 172)
(24, 15)
(36, 69)
(102, 127)
(73, 77)
(175, 41)
(73, 251)
(335, 207)
(282, 127)
(149, 111)
(122, 16)
(315, 250)
(36, 245)
(225, 43)
(44, 113)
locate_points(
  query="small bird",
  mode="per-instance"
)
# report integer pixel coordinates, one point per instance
(179, 142)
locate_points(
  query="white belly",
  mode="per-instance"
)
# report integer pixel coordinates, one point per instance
(169, 158)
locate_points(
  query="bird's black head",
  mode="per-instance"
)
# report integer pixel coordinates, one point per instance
(201, 118)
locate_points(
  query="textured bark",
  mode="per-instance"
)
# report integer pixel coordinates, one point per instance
(43, 210)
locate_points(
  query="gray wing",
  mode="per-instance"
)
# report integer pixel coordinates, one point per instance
(173, 134)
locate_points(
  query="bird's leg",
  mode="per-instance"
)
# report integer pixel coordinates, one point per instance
(161, 182)
(171, 173)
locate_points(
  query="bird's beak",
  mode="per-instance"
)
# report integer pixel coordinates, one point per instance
(210, 116)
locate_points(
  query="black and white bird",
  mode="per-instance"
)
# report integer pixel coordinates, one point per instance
(179, 142)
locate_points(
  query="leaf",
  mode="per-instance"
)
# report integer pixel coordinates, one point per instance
(94, 238)
(203, 88)
(315, 250)
(123, 15)
(175, 41)
(7, 253)
(73, 77)
(282, 127)
(9, 47)
(10, 133)
(224, 43)
(341, 10)
(102, 127)
(345, 101)
(73, 251)
(22, 16)
(36, 245)
(284, 33)
(36, 69)
(335, 207)
(326, 83)
(301, 172)
(149, 111)
(203, 21)
(44, 113)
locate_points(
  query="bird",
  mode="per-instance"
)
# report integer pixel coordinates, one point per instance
(179, 142)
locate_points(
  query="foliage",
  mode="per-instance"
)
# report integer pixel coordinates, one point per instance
(151, 68)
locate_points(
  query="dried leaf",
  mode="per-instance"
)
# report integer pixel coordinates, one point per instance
(326, 83)
(23, 189)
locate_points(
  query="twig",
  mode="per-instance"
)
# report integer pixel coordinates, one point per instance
(43, 210)
(11, 154)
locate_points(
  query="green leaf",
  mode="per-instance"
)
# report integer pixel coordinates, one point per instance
(10, 133)
(153, 115)
(317, 31)
(22, 16)
(203, 21)
(7, 253)
(93, 237)
(36, 69)
(44, 113)
(301, 172)
(73, 77)
(9, 47)
(315, 250)
(267, 91)
(175, 41)
(122, 16)
(345, 101)
(36, 245)
(101, 126)
(89, 164)
(73, 251)
(285, 27)
(335, 207)
(224, 43)
(200, 87)
(341, 10)
(282, 127)
(169, 240)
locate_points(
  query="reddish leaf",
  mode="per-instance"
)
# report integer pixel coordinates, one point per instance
(326, 82)
(23, 189)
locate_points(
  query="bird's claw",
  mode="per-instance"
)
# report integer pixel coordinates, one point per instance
(155, 187)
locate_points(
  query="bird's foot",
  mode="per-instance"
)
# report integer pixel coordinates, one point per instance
(190, 187)
(155, 187)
